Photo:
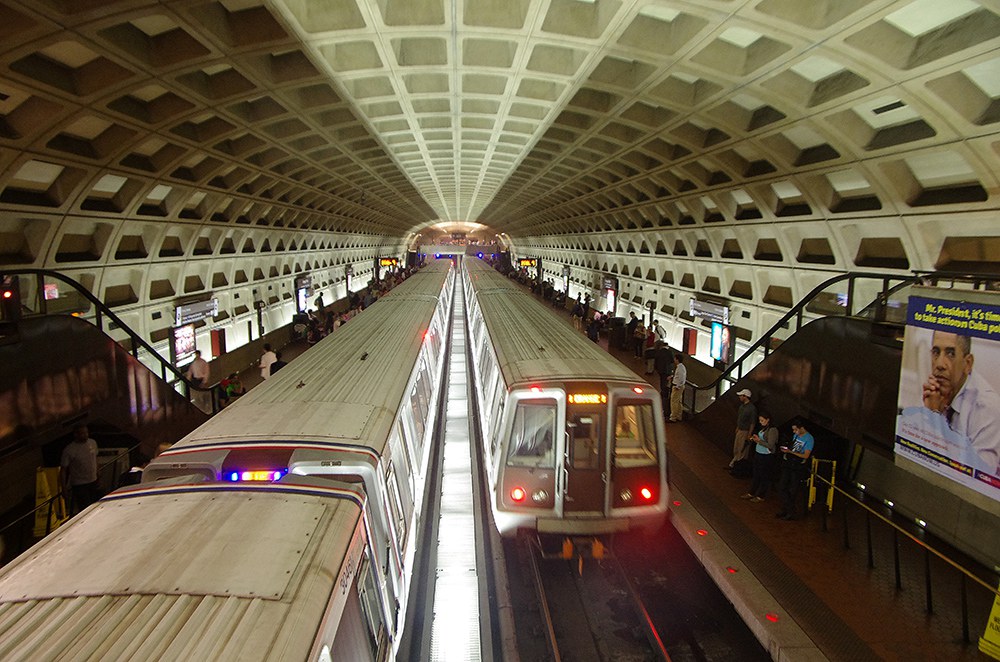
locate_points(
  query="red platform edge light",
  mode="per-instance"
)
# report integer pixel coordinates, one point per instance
(676, 503)
(771, 617)
(731, 570)
(702, 532)
(518, 494)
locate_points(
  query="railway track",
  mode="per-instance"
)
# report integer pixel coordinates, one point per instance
(580, 610)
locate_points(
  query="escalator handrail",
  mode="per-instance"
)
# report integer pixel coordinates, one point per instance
(921, 277)
(106, 310)
(796, 310)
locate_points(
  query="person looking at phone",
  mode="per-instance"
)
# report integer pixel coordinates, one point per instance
(794, 470)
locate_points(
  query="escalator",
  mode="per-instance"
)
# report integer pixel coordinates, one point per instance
(839, 373)
(60, 370)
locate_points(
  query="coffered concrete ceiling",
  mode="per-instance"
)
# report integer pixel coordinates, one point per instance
(535, 117)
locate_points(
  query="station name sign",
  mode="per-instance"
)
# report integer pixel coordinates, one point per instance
(388, 262)
(195, 312)
(530, 262)
(713, 312)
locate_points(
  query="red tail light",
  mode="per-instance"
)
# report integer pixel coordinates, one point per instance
(517, 494)
(646, 493)
(636, 389)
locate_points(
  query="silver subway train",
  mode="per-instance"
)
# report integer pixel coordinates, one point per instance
(574, 441)
(284, 528)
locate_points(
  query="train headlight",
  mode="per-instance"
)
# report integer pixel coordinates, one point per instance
(540, 496)
(517, 494)
(625, 495)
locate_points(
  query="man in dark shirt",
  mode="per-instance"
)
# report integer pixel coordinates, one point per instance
(279, 364)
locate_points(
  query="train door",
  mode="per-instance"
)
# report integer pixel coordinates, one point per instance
(586, 453)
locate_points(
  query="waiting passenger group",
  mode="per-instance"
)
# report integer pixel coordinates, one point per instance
(757, 453)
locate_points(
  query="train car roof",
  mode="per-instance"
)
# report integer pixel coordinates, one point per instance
(531, 342)
(180, 575)
(346, 388)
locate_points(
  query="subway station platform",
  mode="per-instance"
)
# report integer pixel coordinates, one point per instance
(804, 594)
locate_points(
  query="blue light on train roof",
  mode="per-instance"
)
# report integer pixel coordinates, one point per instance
(257, 475)
(437, 256)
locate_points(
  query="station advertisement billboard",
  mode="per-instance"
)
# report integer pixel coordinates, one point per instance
(949, 408)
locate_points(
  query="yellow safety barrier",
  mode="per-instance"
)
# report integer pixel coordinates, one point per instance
(50, 508)
(812, 482)
(989, 643)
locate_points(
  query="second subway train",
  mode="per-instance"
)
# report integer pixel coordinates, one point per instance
(573, 440)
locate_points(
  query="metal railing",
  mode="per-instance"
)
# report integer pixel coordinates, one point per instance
(141, 350)
(698, 397)
(899, 536)
(19, 534)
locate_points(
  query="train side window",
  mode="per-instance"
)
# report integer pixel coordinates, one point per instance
(370, 605)
(399, 513)
(404, 428)
(634, 435)
(495, 438)
(419, 403)
(533, 434)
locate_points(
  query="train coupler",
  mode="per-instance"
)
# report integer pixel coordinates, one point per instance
(566, 547)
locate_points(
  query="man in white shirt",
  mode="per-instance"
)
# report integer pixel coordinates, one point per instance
(197, 372)
(266, 359)
(677, 388)
(661, 333)
(79, 467)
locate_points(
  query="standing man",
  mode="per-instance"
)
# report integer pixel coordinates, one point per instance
(664, 364)
(633, 322)
(677, 388)
(661, 333)
(794, 470)
(197, 372)
(746, 416)
(79, 467)
(266, 359)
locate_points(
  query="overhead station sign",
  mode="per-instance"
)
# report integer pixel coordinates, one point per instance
(189, 313)
(713, 312)
(529, 262)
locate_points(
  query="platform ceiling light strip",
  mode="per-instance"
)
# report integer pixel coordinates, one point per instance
(455, 627)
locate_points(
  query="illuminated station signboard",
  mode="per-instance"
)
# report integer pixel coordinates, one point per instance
(388, 262)
(587, 398)
(530, 262)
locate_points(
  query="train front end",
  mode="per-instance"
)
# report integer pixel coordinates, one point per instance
(582, 458)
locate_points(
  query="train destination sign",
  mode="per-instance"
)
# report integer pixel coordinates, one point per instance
(587, 398)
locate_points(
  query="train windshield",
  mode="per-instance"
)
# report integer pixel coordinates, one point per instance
(634, 434)
(533, 436)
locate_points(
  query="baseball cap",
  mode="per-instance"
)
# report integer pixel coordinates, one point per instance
(745, 392)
